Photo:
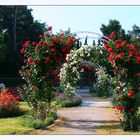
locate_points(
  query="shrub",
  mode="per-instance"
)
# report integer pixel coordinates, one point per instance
(32, 122)
(8, 104)
(43, 61)
(103, 84)
(66, 102)
(125, 60)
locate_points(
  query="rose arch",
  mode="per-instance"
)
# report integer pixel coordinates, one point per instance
(70, 72)
(121, 55)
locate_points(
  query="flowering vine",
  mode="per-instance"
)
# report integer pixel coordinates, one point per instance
(43, 61)
(125, 59)
(70, 72)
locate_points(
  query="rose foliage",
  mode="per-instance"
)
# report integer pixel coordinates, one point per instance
(125, 59)
(43, 61)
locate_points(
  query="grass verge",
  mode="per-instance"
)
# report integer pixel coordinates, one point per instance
(24, 124)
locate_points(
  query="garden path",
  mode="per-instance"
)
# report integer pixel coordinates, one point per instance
(92, 115)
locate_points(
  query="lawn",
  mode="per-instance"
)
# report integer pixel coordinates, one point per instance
(14, 125)
(23, 124)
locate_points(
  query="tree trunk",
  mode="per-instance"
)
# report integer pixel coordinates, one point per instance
(15, 24)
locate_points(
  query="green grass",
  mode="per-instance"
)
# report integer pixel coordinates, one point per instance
(13, 126)
(24, 124)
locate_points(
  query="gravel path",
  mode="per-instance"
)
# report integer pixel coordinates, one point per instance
(93, 114)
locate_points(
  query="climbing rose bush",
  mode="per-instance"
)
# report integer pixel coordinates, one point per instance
(104, 83)
(43, 61)
(70, 72)
(8, 104)
(125, 59)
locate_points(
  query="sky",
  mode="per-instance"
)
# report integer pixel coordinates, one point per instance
(86, 18)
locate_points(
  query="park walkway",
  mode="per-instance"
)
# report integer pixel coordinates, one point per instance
(92, 115)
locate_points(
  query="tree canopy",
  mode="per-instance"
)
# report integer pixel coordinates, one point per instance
(19, 26)
(112, 26)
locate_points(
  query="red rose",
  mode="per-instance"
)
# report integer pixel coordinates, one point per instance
(110, 50)
(40, 43)
(119, 46)
(40, 36)
(6, 103)
(22, 50)
(128, 60)
(1, 105)
(36, 49)
(28, 71)
(20, 71)
(120, 108)
(62, 34)
(123, 73)
(25, 60)
(70, 40)
(26, 43)
(132, 109)
(30, 60)
(49, 28)
(130, 93)
(29, 77)
(45, 44)
(112, 35)
(138, 74)
(116, 80)
(58, 41)
(117, 41)
(130, 53)
(33, 43)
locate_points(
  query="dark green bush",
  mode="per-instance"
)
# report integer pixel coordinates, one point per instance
(14, 113)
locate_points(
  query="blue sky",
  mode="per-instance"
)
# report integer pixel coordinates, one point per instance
(86, 18)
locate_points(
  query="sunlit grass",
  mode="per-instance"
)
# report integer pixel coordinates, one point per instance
(14, 125)
(23, 124)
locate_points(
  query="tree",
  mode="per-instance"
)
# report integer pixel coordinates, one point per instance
(19, 26)
(134, 35)
(113, 26)
(2, 46)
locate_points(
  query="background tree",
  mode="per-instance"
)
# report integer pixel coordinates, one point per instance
(19, 26)
(2, 46)
(112, 26)
(134, 35)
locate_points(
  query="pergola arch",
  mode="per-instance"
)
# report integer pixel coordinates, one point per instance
(70, 72)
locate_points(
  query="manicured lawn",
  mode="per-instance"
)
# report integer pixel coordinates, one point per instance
(14, 125)
(23, 124)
